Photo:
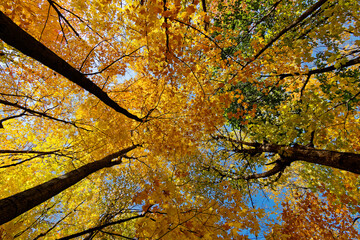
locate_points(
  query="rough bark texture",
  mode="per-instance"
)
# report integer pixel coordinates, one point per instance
(19, 203)
(13, 35)
(341, 160)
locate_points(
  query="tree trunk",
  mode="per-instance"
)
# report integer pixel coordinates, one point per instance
(341, 160)
(19, 203)
(13, 35)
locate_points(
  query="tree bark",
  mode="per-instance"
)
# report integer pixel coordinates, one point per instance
(341, 160)
(22, 202)
(13, 35)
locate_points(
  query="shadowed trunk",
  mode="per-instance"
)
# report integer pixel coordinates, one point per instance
(19, 203)
(13, 35)
(341, 160)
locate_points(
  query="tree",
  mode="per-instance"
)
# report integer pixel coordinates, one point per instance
(191, 106)
(19, 203)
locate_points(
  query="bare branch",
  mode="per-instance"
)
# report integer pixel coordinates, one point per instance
(125, 55)
(87, 56)
(38, 114)
(61, 16)
(59, 221)
(23, 161)
(206, 23)
(303, 87)
(27, 152)
(278, 168)
(90, 230)
(8, 118)
(331, 68)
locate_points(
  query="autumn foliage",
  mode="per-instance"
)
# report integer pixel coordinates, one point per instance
(169, 119)
(310, 216)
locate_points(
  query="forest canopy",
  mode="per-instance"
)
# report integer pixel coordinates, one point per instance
(177, 119)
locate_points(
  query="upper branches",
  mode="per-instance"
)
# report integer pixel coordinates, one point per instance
(306, 14)
(19, 39)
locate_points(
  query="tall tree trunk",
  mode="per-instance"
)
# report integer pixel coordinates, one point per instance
(13, 35)
(19, 203)
(341, 160)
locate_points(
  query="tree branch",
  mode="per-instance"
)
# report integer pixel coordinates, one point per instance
(22, 161)
(37, 113)
(57, 223)
(22, 202)
(341, 160)
(90, 230)
(279, 167)
(61, 16)
(289, 27)
(210, 38)
(331, 68)
(11, 117)
(13, 35)
(116, 60)
(27, 152)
